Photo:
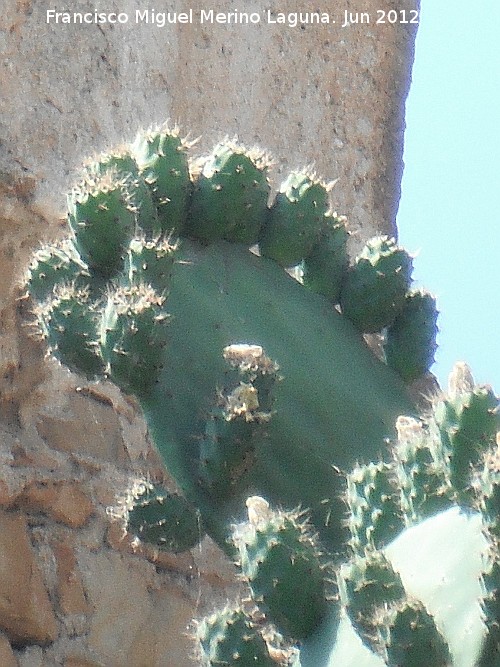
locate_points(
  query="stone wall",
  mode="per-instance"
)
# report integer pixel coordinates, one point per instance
(73, 591)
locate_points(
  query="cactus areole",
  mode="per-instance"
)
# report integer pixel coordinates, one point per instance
(250, 382)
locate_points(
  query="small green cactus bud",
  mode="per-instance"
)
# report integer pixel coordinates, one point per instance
(281, 561)
(122, 163)
(134, 331)
(230, 196)
(150, 263)
(69, 322)
(235, 422)
(468, 421)
(421, 470)
(162, 158)
(375, 516)
(325, 268)
(229, 637)
(53, 265)
(367, 586)
(373, 293)
(411, 340)
(411, 638)
(295, 219)
(102, 218)
(166, 520)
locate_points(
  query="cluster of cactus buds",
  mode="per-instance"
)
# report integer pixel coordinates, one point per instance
(447, 459)
(444, 473)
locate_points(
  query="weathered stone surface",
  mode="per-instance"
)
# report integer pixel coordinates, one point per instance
(70, 590)
(26, 614)
(7, 494)
(20, 228)
(63, 500)
(144, 618)
(81, 662)
(322, 92)
(206, 563)
(26, 456)
(213, 566)
(173, 612)
(32, 657)
(7, 657)
(118, 590)
(101, 437)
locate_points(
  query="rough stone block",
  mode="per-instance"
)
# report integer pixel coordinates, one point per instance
(26, 613)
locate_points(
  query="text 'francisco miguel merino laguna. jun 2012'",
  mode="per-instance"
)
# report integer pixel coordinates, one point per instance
(211, 16)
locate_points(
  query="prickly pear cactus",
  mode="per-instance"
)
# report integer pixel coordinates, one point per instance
(171, 283)
(281, 561)
(258, 388)
(165, 520)
(230, 637)
(421, 585)
(376, 285)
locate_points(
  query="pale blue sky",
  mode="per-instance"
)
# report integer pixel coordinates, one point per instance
(450, 205)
